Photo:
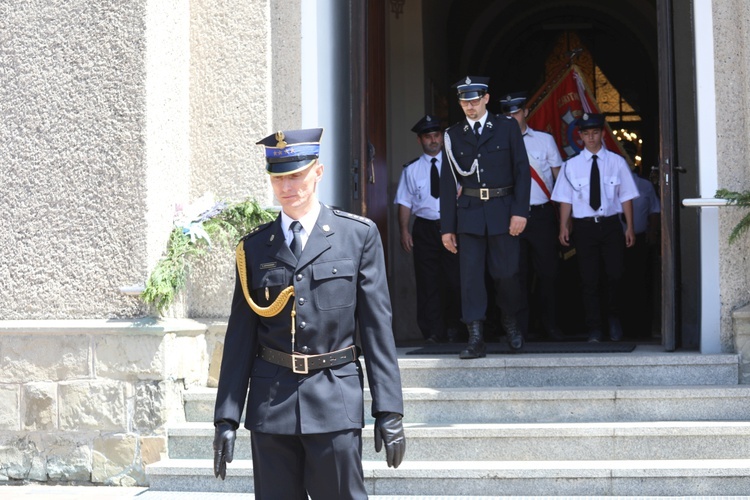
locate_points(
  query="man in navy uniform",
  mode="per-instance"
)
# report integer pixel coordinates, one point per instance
(539, 239)
(298, 354)
(489, 163)
(435, 268)
(596, 186)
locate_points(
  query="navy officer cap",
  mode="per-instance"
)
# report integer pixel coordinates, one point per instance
(291, 151)
(590, 120)
(427, 123)
(472, 87)
(513, 101)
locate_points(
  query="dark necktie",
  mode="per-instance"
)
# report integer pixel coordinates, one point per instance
(296, 245)
(595, 195)
(477, 126)
(434, 179)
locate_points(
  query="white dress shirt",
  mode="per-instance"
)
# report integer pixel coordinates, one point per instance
(617, 184)
(544, 155)
(413, 190)
(308, 223)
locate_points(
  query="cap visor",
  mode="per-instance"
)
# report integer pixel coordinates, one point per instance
(289, 167)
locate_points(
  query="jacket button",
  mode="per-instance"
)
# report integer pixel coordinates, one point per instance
(334, 270)
(479, 155)
(301, 301)
(302, 325)
(304, 350)
(299, 277)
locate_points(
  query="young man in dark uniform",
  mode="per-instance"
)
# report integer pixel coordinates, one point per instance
(297, 353)
(489, 163)
(435, 268)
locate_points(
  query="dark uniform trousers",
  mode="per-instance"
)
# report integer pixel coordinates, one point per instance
(599, 244)
(501, 252)
(307, 460)
(436, 272)
(539, 252)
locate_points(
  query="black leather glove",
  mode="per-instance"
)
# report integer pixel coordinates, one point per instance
(388, 428)
(224, 436)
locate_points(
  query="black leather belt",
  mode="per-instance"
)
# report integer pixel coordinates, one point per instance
(597, 219)
(538, 207)
(303, 363)
(487, 193)
(428, 221)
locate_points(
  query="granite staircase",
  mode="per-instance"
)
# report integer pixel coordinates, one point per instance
(644, 423)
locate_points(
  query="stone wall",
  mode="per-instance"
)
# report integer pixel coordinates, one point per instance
(89, 401)
(732, 76)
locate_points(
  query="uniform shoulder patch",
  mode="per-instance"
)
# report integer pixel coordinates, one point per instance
(256, 230)
(347, 215)
(410, 162)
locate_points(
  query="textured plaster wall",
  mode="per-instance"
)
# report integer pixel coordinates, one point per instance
(245, 84)
(732, 62)
(72, 183)
(114, 112)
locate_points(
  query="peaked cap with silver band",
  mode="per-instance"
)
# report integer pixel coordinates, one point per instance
(513, 101)
(427, 123)
(472, 87)
(291, 151)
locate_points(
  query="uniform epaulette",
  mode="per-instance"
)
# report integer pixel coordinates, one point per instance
(410, 162)
(359, 218)
(256, 230)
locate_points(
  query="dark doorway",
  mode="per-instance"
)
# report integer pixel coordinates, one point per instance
(520, 45)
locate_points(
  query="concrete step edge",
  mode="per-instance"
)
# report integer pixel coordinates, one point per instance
(567, 429)
(499, 469)
(551, 392)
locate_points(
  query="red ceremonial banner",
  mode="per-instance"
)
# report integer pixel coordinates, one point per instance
(561, 106)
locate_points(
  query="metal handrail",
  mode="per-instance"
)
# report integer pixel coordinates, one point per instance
(705, 202)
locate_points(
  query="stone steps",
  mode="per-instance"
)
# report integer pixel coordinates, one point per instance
(535, 442)
(551, 404)
(640, 423)
(646, 366)
(468, 478)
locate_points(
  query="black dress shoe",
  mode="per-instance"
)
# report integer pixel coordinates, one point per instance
(595, 336)
(615, 329)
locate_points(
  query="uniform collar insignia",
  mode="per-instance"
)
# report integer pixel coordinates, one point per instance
(488, 124)
(466, 128)
(326, 227)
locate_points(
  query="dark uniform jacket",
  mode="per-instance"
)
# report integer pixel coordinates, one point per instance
(340, 283)
(502, 162)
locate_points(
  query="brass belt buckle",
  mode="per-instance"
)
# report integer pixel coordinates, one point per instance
(304, 369)
(484, 194)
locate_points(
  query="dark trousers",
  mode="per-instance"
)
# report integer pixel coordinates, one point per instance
(324, 466)
(436, 273)
(498, 254)
(599, 244)
(539, 253)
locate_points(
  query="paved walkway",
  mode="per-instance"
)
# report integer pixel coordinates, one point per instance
(42, 492)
